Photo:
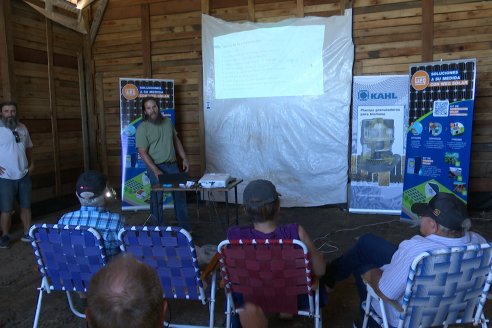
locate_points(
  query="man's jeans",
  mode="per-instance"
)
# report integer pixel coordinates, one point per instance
(369, 252)
(180, 208)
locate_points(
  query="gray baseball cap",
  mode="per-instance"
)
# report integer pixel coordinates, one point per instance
(259, 192)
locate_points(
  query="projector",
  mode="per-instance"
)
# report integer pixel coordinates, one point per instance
(214, 180)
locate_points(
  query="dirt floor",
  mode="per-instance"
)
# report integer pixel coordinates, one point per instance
(332, 228)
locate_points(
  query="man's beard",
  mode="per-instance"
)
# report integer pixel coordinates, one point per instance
(10, 122)
(157, 120)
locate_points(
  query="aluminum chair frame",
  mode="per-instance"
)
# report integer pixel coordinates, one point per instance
(232, 279)
(466, 272)
(156, 250)
(80, 254)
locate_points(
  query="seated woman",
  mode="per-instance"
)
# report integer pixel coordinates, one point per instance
(262, 203)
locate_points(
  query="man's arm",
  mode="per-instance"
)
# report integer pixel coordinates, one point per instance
(30, 161)
(148, 161)
(180, 151)
(372, 278)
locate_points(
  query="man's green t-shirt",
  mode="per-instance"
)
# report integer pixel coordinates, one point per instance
(158, 140)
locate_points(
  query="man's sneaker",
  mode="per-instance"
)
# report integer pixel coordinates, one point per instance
(4, 241)
(25, 238)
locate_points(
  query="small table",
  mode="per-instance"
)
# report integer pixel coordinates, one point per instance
(197, 189)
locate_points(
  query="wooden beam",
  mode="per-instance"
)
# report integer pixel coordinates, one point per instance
(98, 16)
(206, 7)
(300, 8)
(92, 125)
(427, 30)
(52, 102)
(84, 3)
(146, 44)
(66, 21)
(102, 122)
(251, 10)
(66, 5)
(6, 52)
(83, 111)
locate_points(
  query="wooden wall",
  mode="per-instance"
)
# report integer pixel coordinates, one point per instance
(162, 39)
(45, 84)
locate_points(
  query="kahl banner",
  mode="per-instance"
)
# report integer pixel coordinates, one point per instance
(379, 108)
(442, 96)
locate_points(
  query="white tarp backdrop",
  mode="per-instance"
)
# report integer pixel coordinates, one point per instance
(277, 103)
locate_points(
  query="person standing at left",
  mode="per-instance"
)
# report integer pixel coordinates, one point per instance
(16, 166)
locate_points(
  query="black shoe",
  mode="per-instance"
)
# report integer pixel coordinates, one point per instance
(5, 241)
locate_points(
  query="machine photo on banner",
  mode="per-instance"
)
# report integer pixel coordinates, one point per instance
(135, 184)
(439, 136)
(379, 113)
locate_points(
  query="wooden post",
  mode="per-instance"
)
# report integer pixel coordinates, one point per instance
(146, 45)
(6, 52)
(206, 7)
(102, 122)
(427, 30)
(300, 8)
(83, 112)
(92, 137)
(52, 101)
(251, 10)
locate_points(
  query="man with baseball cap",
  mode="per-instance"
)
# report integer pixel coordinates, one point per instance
(91, 188)
(444, 222)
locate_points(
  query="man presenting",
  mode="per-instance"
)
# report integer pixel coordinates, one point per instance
(16, 166)
(157, 143)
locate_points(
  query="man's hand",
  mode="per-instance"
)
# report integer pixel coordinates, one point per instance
(186, 165)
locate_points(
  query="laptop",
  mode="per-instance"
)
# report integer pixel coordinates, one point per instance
(174, 178)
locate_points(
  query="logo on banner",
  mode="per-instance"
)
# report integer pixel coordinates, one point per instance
(420, 80)
(364, 95)
(130, 91)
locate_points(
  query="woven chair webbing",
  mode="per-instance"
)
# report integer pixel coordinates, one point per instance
(70, 257)
(272, 276)
(171, 255)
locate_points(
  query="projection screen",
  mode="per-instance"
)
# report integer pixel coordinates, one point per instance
(276, 100)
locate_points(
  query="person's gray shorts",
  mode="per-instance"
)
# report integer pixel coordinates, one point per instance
(10, 189)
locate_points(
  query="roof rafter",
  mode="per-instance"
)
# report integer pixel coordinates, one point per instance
(66, 12)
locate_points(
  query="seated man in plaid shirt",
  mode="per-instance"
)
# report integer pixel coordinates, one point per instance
(90, 190)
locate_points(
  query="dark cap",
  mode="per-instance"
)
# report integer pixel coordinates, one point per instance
(259, 192)
(90, 184)
(447, 209)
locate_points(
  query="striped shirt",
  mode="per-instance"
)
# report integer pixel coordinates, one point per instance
(106, 223)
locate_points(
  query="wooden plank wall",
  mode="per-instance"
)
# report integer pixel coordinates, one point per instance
(46, 89)
(162, 39)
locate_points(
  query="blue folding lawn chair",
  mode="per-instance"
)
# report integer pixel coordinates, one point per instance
(171, 252)
(67, 258)
(444, 287)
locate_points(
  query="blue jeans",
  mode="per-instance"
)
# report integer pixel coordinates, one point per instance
(368, 253)
(179, 197)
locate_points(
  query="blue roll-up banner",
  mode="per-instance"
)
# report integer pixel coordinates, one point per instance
(135, 185)
(439, 136)
(379, 111)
